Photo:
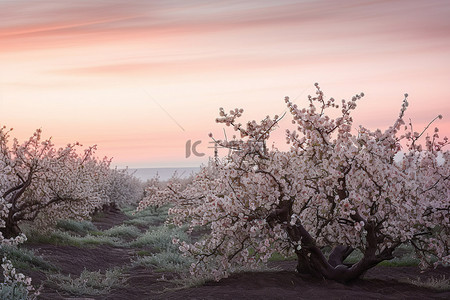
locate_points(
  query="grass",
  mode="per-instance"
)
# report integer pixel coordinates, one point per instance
(164, 255)
(149, 211)
(79, 227)
(404, 257)
(166, 261)
(160, 238)
(25, 259)
(123, 231)
(279, 257)
(438, 284)
(143, 253)
(150, 216)
(128, 210)
(89, 283)
(146, 221)
(14, 291)
(75, 233)
(400, 262)
(85, 234)
(153, 247)
(62, 238)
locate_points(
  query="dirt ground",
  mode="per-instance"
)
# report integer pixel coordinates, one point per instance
(284, 283)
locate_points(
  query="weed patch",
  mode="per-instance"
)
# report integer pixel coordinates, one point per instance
(123, 231)
(62, 238)
(160, 239)
(25, 259)
(79, 227)
(435, 283)
(89, 283)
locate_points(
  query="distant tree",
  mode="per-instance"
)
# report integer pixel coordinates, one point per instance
(333, 192)
(124, 188)
(41, 183)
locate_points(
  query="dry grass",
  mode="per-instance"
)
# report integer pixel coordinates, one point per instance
(441, 283)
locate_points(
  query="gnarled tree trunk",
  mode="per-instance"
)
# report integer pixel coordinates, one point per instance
(311, 259)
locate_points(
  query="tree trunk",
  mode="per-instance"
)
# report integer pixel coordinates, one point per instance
(311, 260)
(10, 230)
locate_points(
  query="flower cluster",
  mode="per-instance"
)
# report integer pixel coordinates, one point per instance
(10, 276)
(334, 188)
(41, 183)
(14, 278)
(124, 188)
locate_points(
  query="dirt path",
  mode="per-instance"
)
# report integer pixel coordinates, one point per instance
(286, 284)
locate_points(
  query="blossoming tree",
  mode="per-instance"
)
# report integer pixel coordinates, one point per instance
(124, 188)
(41, 183)
(335, 191)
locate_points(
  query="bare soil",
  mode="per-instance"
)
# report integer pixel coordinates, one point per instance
(145, 283)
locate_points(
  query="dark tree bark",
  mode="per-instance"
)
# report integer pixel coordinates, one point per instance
(311, 260)
(12, 196)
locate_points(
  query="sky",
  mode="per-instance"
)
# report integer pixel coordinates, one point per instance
(143, 79)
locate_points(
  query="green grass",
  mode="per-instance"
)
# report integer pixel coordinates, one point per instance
(160, 238)
(128, 209)
(404, 257)
(143, 253)
(62, 238)
(149, 211)
(79, 227)
(166, 261)
(400, 262)
(14, 291)
(89, 283)
(150, 216)
(146, 221)
(25, 259)
(279, 257)
(123, 231)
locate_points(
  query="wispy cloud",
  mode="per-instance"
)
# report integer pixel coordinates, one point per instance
(93, 55)
(95, 21)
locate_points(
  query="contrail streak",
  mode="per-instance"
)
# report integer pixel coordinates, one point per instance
(162, 108)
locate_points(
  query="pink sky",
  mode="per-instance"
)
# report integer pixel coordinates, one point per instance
(122, 74)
